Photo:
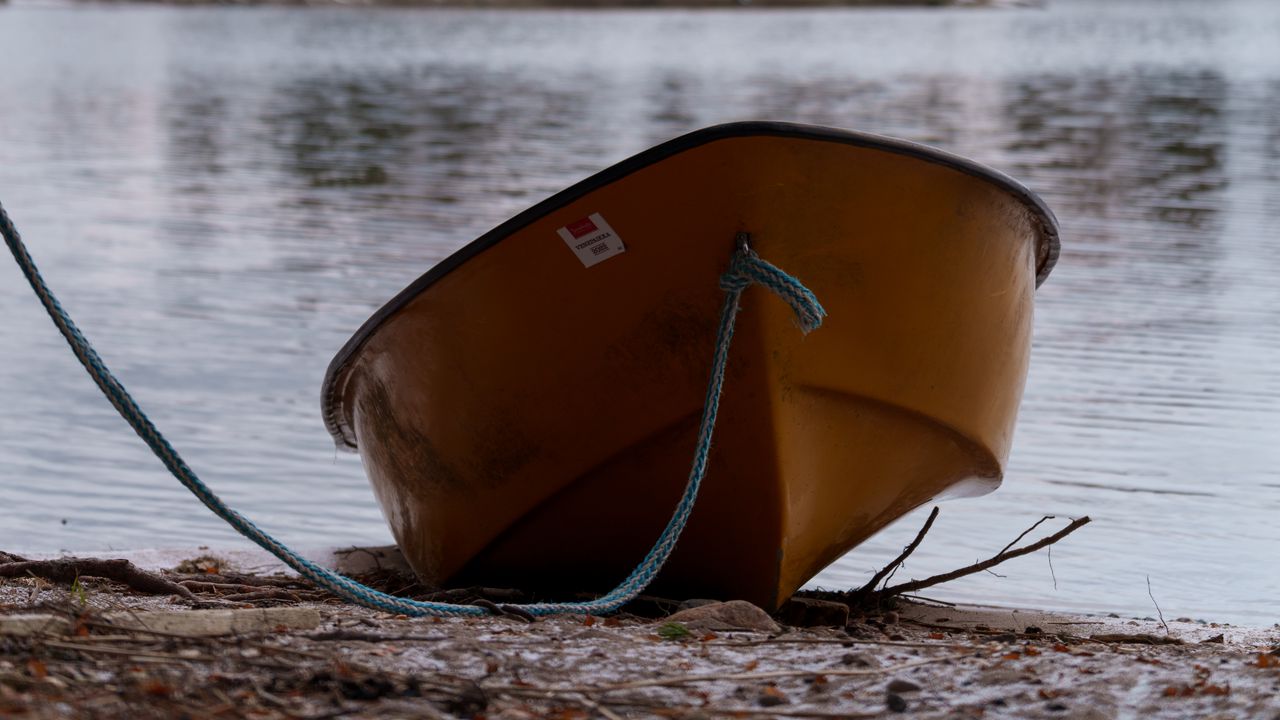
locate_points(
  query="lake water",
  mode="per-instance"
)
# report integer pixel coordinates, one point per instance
(222, 195)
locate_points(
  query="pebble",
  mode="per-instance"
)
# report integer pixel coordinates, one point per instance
(811, 612)
(732, 615)
(896, 703)
(902, 686)
(860, 659)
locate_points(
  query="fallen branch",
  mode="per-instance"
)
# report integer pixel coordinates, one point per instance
(844, 642)
(358, 636)
(906, 552)
(128, 652)
(998, 558)
(236, 579)
(10, 558)
(268, 594)
(68, 570)
(1135, 639)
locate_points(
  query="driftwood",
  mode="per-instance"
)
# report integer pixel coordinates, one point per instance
(68, 570)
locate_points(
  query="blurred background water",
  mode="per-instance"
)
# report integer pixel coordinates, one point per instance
(222, 195)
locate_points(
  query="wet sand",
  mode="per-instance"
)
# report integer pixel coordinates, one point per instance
(104, 651)
(571, 4)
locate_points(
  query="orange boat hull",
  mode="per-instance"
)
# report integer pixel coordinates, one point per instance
(527, 415)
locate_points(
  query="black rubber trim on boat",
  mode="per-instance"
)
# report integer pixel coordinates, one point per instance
(1046, 252)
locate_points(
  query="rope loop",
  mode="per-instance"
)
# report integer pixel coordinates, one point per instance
(745, 268)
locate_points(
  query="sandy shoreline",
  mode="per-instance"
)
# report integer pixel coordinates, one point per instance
(293, 653)
(564, 4)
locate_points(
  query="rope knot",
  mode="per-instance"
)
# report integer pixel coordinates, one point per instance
(747, 267)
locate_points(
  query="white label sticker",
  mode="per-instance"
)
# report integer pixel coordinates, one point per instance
(591, 239)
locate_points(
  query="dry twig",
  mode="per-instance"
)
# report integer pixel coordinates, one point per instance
(1158, 610)
(906, 552)
(998, 558)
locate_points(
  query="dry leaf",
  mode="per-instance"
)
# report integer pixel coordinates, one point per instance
(157, 688)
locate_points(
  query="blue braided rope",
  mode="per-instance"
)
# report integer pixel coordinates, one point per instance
(745, 268)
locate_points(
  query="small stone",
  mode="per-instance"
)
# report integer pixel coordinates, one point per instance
(771, 697)
(1219, 638)
(896, 702)
(1056, 707)
(724, 616)
(902, 686)
(860, 659)
(890, 618)
(1033, 630)
(897, 637)
(810, 612)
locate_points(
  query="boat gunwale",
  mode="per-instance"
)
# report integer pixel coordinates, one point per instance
(1045, 221)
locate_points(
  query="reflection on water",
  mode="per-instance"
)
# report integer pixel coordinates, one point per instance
(222, 195)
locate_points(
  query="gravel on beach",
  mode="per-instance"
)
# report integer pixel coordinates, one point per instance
(99, 650)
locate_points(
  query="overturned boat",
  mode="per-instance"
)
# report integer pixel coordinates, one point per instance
(526, 410)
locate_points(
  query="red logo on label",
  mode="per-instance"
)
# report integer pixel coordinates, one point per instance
(578, 228)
